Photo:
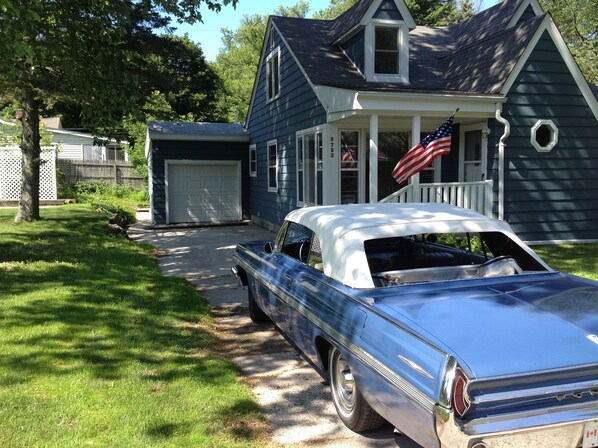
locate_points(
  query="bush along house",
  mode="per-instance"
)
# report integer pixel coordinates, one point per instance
(336, 104)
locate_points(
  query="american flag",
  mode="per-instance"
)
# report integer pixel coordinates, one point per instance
(424, 153)
(347, 158)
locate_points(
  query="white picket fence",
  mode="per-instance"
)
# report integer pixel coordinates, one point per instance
(10, 173)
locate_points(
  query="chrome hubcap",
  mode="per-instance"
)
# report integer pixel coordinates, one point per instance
(345, 384)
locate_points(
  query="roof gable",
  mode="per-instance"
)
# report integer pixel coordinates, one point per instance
(360, 14)
(527, 9)
(548, 26)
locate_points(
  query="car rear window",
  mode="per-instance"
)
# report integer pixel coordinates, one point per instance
(446, 256)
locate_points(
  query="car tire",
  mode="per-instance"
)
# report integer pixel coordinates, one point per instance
(255, 312)
(352, 408)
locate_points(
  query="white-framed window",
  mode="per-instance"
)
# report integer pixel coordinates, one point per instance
(272, 146)
(387, 51)
(273, 74)
(349, 167)
(252, 161)
(544, 135)
(310, 149)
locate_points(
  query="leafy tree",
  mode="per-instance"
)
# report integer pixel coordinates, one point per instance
(237, 62)
(73, 51)
(577, 21)
(432, 12)
(176, 84)
(464, 11)
(238, 59)
(156, 107)
(335, 9)
(177, 67)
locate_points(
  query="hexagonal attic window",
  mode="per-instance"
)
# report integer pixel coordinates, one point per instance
(544, 136)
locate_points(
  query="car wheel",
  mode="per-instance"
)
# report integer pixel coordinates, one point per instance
(350, 405)
(255, 312)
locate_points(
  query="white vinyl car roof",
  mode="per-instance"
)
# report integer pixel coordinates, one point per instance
(342, 230)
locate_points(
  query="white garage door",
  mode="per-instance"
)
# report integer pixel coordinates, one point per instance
(203, 192)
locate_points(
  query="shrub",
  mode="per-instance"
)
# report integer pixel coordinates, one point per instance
(120, 208)
(88, 191)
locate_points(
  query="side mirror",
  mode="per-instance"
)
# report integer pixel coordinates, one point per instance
(268, 247)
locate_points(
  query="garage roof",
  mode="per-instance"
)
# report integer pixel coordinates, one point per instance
(194, 131)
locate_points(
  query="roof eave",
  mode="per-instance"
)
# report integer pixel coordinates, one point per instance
(163, 136)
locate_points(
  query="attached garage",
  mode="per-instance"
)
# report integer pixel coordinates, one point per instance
(197, 172)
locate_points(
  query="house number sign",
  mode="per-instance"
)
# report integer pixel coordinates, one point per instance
(332, 147)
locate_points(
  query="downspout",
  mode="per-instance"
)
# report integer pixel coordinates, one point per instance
(501, 162)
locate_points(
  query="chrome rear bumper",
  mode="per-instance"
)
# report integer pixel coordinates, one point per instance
(543, 428)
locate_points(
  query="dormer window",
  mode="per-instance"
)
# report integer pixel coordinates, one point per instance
(387, 51)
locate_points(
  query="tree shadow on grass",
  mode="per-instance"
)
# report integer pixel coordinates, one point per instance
(76, 300)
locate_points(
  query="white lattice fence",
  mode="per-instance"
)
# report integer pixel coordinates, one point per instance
(10, 173)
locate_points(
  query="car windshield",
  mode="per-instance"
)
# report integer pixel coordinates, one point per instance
(446, 256)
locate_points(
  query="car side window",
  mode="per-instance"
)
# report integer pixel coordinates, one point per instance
(297, 241)
(280, 236)
(315, 254)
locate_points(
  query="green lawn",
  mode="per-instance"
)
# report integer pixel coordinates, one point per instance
(577, 259)
(98, 349)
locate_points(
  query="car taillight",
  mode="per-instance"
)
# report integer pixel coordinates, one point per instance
(460, 401)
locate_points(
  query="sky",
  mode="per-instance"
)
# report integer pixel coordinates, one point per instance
(208, 35)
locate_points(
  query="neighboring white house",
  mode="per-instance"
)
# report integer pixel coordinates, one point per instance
(77, 145)
(65, 144)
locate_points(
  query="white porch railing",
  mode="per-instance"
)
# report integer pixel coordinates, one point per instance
(472, 195)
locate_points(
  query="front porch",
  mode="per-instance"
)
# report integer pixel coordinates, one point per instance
(476, 196)
(374, 130)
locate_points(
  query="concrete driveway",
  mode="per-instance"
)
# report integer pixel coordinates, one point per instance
(294, 399)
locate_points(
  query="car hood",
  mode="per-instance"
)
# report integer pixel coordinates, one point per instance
(505, 326)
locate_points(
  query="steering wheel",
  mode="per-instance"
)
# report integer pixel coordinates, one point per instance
(483, 269)
(495, 260)
(304, 252)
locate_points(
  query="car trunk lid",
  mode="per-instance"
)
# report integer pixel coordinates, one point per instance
(504, 326)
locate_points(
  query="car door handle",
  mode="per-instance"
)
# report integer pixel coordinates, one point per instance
(288, 279)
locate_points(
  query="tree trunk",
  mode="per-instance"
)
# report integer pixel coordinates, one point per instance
(31, 158)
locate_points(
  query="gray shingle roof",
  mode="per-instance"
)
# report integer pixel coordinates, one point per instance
(475, 56)
(178, 128)
(348, 20)
(483, 66)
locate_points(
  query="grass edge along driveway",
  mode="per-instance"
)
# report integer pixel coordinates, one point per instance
(97, 348)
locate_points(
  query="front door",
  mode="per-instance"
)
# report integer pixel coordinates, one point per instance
(472, 154)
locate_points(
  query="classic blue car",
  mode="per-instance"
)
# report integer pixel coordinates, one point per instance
(434, 318)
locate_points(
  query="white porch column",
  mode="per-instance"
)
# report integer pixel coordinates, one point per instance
(415, 139)
(373, 158)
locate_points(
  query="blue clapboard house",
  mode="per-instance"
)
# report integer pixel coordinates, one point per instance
(337, 103)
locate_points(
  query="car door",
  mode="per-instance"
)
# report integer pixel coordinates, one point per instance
(291, 252)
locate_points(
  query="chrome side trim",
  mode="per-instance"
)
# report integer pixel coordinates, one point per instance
(416, 367)
(364, 357)
(561, 389)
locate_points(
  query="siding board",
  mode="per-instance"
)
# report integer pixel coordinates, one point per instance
(297, 108)
(553, 195)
